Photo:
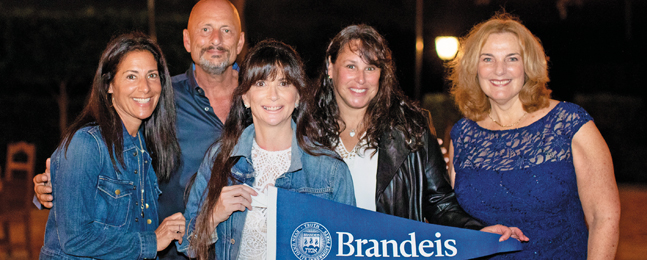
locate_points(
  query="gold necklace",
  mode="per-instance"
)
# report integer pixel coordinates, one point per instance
(506, 126)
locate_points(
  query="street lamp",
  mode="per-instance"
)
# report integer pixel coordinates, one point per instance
(446, 47)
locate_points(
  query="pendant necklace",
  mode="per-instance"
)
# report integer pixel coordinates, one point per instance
(141, 149)
(141, 146)
(353, 131)
(510, 125)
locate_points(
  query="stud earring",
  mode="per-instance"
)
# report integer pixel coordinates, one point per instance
(246, 105)
(296, 104)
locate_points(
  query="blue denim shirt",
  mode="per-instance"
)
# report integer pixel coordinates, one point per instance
(198, 127)
(99, 211)
(321, 176)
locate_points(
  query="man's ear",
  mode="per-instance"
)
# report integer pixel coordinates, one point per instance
(186, 40)
(241, 42)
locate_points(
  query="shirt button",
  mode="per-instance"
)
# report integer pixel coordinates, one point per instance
(146, 205)
(233, 241)
(136, 220)
(117, 192)
(134, 187)
(206, 109)
(146, 161)
(149, 221)
(135, 154)
(135, 171)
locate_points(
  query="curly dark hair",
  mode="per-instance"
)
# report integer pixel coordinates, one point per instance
(390, 109)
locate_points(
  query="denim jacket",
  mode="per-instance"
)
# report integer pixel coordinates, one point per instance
(99, 212)
(321, 176)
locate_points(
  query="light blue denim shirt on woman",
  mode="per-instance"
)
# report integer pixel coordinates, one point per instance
(321, 176)
(99, 212)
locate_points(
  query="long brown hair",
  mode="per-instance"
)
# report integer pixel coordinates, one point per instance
(159, 128)
(467, 93)
(390, 109)
(264, 61)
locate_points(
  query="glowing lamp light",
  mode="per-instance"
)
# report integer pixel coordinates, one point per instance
(420, 45)
(446, 47)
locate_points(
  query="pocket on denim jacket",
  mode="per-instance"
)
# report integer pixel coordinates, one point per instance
(321, 192)
(156, 189)
(115, 206)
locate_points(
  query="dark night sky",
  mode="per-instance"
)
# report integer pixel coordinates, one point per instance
(598, 36)
(596, 48)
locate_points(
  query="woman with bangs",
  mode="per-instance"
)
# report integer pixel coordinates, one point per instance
(258, 148)
(386, 140)
(523, 159)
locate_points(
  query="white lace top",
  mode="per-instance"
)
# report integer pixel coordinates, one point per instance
(268, 166)
(363, 169)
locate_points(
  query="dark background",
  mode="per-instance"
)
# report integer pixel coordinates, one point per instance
(596, 50)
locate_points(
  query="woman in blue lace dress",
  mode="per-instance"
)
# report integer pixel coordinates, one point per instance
(522, 159)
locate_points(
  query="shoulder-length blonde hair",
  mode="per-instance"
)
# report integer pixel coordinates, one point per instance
(467, 93)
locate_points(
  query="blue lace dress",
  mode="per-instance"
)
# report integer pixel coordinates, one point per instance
(525, 178)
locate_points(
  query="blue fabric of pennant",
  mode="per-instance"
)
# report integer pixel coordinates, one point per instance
(311, 228)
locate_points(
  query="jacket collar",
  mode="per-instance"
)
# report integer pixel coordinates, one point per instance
(393, 152)
(131, 142)
(244, 147)
(193, 83)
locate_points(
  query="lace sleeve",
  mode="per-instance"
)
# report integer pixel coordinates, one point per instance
(573, 118)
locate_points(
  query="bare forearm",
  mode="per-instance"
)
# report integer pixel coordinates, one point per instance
(603, 239)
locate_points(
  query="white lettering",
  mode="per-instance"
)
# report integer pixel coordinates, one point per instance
(348, 246)
(425, 244)
(450, 247)
(374, 251)
(385, 249)
(360, 242)
(439, 248)
(412, 243)
(340, 248)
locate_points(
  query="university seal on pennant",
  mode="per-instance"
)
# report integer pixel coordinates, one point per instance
(311, 241)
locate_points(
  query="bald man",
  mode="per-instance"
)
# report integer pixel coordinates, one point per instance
(214, 38)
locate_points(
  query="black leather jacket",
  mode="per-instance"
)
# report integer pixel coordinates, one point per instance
(414, 185)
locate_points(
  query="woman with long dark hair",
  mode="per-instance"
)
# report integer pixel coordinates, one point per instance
(258, 148)
(361, 113)
(104, 173)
